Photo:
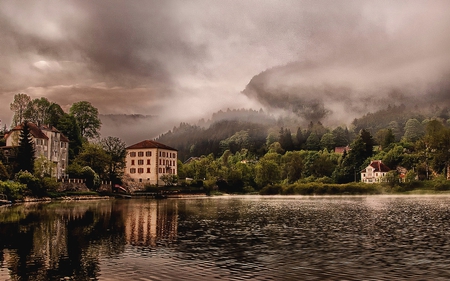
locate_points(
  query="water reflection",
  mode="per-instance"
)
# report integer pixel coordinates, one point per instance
(66, 239)
(228, 238)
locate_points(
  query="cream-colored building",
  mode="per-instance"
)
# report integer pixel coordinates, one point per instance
(375, 172)
(148, 160)
(48, 142)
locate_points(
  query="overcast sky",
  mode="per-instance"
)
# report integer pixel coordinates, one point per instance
(187, 59)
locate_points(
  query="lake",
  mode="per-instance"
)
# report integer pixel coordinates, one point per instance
(229, 238)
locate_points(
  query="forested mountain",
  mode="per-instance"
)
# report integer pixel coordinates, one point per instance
(256, 130)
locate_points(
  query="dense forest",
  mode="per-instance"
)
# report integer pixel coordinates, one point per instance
(245, 154)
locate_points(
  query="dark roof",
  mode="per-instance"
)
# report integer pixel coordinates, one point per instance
(63, 138)
(378, 166)
(150, 144)
(35, 131)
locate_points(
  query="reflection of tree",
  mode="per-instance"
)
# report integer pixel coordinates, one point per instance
(61, 240)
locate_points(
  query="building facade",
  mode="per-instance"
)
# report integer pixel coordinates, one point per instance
(374, 172)
(48, 142)
(148, 160)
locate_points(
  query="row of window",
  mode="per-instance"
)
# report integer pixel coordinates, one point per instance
(167, 162)
(141, 162)
(161, 162)
(161, 170)
(167, 154)
(149, 154)
(141, 154)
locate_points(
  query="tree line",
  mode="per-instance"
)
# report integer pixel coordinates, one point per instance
(309, 156)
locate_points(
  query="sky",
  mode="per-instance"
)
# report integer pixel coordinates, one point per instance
(184, 60)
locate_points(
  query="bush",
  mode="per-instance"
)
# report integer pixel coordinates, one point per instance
(14, 190)
(33, 183)
(50, 184)
(271, 190)
(441, 184)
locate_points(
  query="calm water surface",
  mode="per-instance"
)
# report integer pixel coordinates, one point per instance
(229, 238)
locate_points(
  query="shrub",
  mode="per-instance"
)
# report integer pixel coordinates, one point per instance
(14, 190)
(271, 190)
(33, 183)
(50, 184)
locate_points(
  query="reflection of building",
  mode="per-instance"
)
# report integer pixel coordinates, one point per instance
(148, 160)
(145, 226)
(48, 142)
(374, 172)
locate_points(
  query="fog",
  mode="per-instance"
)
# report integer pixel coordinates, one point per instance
(184, 60)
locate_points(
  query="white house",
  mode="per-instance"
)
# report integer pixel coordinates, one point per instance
(148, 160)
(48, 142)
(374, 172)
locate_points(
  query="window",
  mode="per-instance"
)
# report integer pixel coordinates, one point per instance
(148, 153)
(160, 162)
(140, 162)
(132, 154)
(148, 161)
(132, 162)
(140, 154)
(132, 171)
(164, 154)
(140, 170)
(148, 170)
(160, 171)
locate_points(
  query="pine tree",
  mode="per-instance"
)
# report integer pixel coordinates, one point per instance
(25, 151)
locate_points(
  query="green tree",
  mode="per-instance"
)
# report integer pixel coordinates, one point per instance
(19, 106)
(313, 142)
(25, 151)
(67, 124)
(94, 156)
(437, 141)
(292, 166)
(301, 139)
(341, 136)
(384, 137)
(55, 113)
(327, 141)
(38, 111)
(285, 139)
(267, 172)
(413, 130)
(115, 148)
(87, 119)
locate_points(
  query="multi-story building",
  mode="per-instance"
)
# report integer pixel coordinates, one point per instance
(148, 160)
(375, 172)
(48, 142)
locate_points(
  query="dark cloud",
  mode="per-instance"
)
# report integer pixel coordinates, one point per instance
(183, 60)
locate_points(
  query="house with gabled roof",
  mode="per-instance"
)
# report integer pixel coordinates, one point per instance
(374, 172)
(48, 142)
(148, 160)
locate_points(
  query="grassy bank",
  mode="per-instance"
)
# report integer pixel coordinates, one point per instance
(355, 188)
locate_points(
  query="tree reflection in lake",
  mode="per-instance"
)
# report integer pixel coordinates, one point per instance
(228, 238)
(48, 241)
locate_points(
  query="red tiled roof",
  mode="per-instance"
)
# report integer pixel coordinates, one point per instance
(378, 166)
(150, 144)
